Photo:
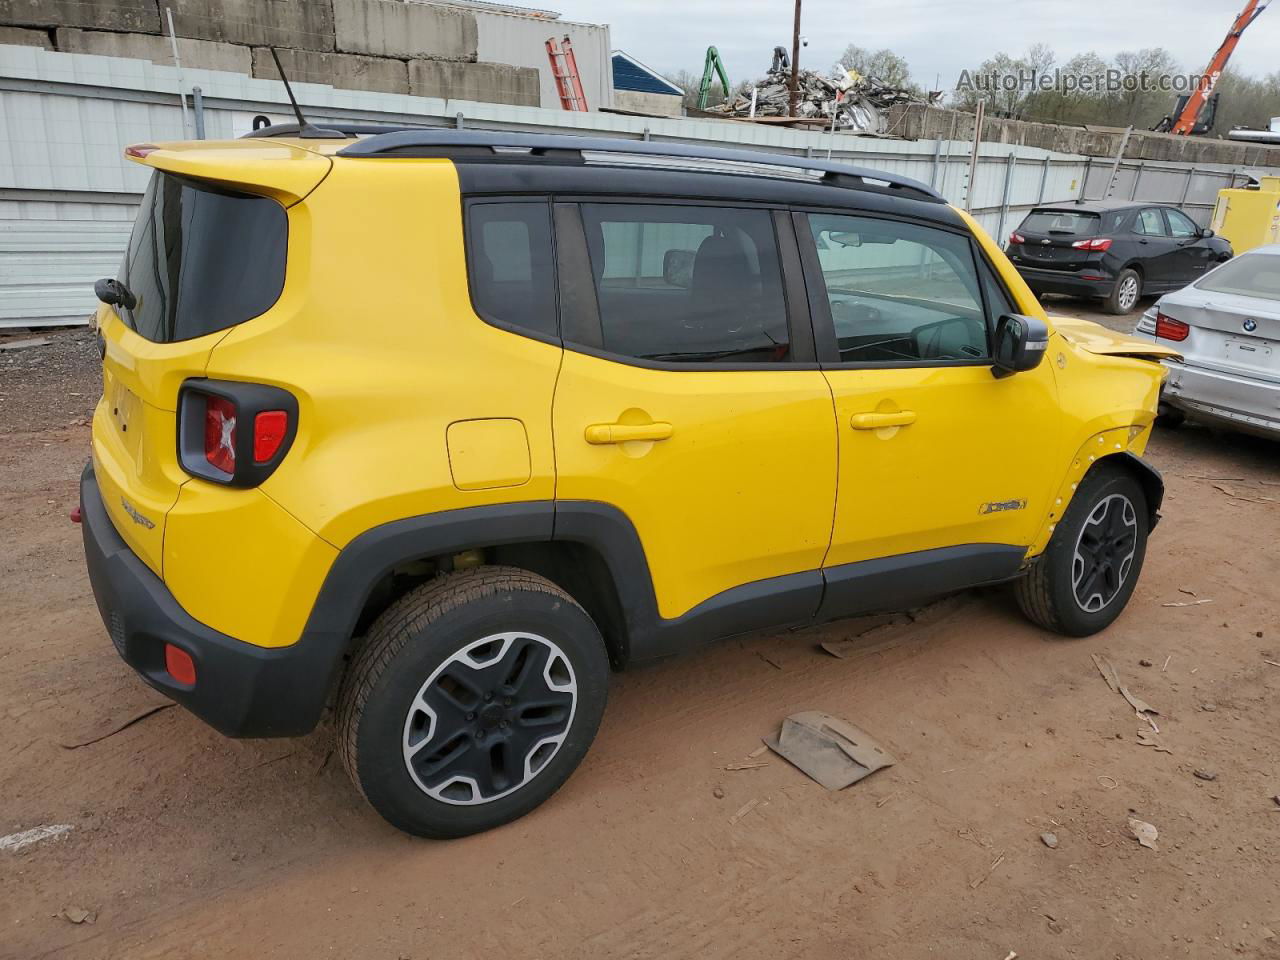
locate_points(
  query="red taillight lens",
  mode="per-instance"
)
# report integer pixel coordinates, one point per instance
(220, 433)
(1097, 244)
(1016, 237)
(1168, 328)
(269, 430)
(180, 665)
(140, 150)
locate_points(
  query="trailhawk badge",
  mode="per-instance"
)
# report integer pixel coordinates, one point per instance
(1000, 506)
(137, 517)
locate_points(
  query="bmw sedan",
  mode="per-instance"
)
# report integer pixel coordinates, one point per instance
(1118, 251)
(1226, 325)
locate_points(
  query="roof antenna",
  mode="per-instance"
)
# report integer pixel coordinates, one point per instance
(306, 130)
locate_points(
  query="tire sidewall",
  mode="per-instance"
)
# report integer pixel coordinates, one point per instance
(1113, 301)
(380, 763)
(1073, 620)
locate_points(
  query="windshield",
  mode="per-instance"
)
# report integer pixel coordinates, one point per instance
(1071, 222)
(201, 259)
(1256, 275)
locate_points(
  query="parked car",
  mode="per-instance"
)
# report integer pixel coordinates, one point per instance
(1226, 326)
(1116, 251)
(437, 425)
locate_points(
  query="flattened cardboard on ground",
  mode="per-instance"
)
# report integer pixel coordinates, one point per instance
(832, 751)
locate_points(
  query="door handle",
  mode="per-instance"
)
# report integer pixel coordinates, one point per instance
(599, 433)
(874, 421)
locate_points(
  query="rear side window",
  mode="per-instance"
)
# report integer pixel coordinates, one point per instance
(1064, 222)
(687, 284)
(202, 259)
(1256, 275)
(1150, 222)
(900, 293)
(511, 265)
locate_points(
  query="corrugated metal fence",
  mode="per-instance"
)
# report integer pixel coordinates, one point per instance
(67, 195)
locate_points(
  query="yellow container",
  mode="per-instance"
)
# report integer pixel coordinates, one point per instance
(1249, 218)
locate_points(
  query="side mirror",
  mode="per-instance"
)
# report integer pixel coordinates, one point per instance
(1205, 233)
(677, 268)
(1020, 343)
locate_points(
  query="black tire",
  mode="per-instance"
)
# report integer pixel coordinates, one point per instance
(553, 647)
(1049, 594)
(1170, 417)
(1125, 293)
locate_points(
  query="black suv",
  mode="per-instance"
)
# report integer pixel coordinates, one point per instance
(1116, 250)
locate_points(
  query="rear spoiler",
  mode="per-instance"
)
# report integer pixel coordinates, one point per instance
(284, 172)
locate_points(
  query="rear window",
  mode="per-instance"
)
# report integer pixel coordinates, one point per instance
(1248, 276)
(1071, 222)
(202, 259)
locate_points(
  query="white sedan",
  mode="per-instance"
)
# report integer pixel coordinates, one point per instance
(1226, 325)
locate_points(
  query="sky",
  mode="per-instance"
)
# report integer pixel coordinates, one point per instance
(937, 37)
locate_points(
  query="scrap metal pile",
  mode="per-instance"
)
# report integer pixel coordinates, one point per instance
(857, 103)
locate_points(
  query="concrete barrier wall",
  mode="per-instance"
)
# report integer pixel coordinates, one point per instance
(385, 46)
(67, 194)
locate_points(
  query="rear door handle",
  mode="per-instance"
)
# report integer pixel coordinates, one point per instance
(874, 421)
(599, 433)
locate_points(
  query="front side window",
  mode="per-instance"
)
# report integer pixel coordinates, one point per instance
(512, 274)
(900, 293)
(1149, 222)
(687, 284)
(1180, 225)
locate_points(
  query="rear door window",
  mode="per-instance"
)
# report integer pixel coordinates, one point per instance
(1150, 223)
(687, 284)
(511, 265)
(202, 259)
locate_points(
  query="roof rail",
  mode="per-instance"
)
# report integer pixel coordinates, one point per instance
(503, 145)
(340, 131)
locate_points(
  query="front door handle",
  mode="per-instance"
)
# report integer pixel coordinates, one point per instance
(875, 421)
(599, 433)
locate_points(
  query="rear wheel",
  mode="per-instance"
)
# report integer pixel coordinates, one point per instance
(473, 699)
(1084, 578)
(1125, 293)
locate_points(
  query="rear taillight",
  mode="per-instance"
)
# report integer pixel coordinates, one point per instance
(1168, 328)
(220, 433)
(234, 433)
(1097, 244)
(1016, 237)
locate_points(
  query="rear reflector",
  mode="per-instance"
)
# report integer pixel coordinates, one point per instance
(1168, 328)
(220, 433)
(1098, 244)
(180, 665)
(270, 427)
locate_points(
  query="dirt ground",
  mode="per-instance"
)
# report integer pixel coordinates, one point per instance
(185, 844)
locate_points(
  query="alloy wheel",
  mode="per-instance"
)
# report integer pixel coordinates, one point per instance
(1128, 293)
(1104, 553)
(490, 718)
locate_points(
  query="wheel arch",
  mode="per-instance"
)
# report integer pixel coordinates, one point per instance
(1148, 477)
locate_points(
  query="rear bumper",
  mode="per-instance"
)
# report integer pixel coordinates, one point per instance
(1230, 399)
(1064, 282)
(241, 690)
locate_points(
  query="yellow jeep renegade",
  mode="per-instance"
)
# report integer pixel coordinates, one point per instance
(437, 426)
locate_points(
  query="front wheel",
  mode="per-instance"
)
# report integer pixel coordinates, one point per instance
(1084, 578)
(473, 699)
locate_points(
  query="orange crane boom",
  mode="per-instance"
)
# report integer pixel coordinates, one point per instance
(1186, 119)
